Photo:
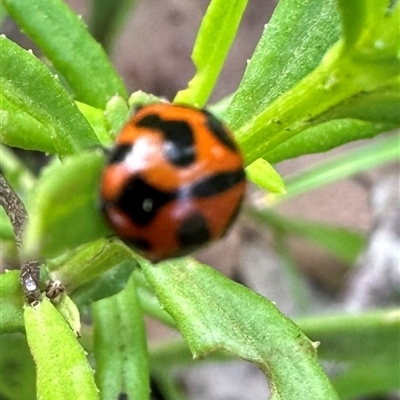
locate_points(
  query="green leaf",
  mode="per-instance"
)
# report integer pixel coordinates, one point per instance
(346, 245)
(6, 230)
(292, 45)
(17, 174)
(63, 208)
(97, 121)
(108, 284)
(19, 129)
(117, 113)
(69, 311)
(217, 31)
(264, 175)
(87, 262)
(61, 366)
(370, 27)
(342, 74)
(17, 370)
(11, 303)
(215, 313)
(107, 19)
(357, 344)
(109, 122)
(379, 106)
(149, 301)
(120, 346)
(354, 161)
(36, 111)
(324, 137)
(63, 38)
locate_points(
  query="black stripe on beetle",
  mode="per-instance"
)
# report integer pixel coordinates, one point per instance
(215, 184)
(194, 231)
(219, 131)
(179, 146)
(119, 153)
(141, 201)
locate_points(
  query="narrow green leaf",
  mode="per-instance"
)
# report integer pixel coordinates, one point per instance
(70, 312)
(291, 272)
(215, 313)
(358, 343)
(292, 45)
(120, 346)
(362, 23)
(17, 174)
(36, 111)
(354, 16)
(117, 113)
(87, 262)
(346, 245)
(324, 137)
(379, 106)
(371, 155)
(63, 210)
(149, 301)
(97, 121)
(108, 284)
(20, 129)
(11, 303)
(61, 366)
(6, 230)
(264, 175)
(17, 370)
(63, 38)
(216, 34)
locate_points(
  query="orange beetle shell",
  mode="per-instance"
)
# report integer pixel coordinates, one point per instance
(173, 182)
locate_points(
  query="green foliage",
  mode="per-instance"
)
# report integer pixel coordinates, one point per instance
(37, 112)
(119, 330)
(65, 207)
(323, 74)
(211, 48)
(55, 348)
(209, 311)
(23, 368)
(63, 38)
(360, 350)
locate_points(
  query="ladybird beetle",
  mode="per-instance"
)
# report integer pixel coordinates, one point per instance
(173, 181)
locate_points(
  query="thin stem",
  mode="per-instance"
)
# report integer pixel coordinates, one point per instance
(16, 212)
(14, 208)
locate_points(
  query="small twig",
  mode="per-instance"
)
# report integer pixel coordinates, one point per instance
(15, 209)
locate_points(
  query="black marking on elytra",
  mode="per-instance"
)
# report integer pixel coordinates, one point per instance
(219, 131)
(179, 146)
(141, 201)
(118, 153)
(123, 396)
(215, 184)
(139, 243)
(194, 231)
